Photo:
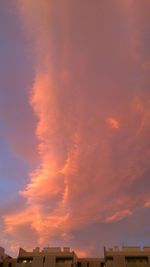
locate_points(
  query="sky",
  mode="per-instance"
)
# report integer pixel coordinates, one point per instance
(74, 124)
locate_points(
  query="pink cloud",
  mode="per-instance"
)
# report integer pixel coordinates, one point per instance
(119, 215)
(85, 77)
(147, 204)
(113, 122)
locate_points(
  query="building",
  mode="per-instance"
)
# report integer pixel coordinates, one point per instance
(6, 260)
(48, 257)
(55, 257)
(64, 257)
(127, 257)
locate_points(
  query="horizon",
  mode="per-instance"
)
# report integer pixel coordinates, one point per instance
(80, 255)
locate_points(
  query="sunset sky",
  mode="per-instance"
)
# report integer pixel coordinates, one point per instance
(74, 124)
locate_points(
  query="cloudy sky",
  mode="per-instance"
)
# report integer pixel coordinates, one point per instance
(74, 124)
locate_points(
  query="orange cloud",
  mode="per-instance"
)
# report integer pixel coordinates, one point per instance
(85, 174)
(119, 215)
(147, 204)
(81, 252)
(113, 122)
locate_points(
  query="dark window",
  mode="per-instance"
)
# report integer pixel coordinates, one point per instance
(63, 259)
(136, 259)
(109, 258)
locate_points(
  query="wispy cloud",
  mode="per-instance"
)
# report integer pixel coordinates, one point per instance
(87, 78)
(119, 215)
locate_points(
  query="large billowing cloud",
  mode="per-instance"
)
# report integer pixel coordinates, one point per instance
(91, 99)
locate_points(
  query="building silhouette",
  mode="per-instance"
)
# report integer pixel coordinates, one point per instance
(6, 260)
(64, 257)
(127, 257)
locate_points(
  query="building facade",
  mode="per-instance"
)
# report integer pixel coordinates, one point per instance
(90, 262)
(6, 260)
(48, 257)
(55, 257)
(64, 257)
(127, 257)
